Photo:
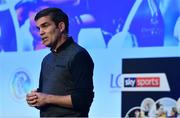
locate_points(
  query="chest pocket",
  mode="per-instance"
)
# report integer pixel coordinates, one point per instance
(61, 70)
(62, 73)
(62, 77)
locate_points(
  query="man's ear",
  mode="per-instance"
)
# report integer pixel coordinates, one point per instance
(61, 26)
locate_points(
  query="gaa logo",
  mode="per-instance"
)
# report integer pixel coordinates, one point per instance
(20, 84)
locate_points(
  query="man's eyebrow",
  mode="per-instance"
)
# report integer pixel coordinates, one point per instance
(41, 25)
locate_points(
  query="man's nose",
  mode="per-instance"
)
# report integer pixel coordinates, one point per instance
(41, 32)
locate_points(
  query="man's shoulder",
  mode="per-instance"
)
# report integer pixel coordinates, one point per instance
(47, 57)
(76, 48)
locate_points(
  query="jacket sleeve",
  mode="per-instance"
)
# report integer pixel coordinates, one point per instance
(82, 68)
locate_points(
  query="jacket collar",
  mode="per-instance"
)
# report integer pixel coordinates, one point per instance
(63, 46)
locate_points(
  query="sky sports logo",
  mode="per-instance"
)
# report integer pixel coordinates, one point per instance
(142, 82)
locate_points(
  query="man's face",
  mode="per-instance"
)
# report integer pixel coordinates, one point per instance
(48, 31)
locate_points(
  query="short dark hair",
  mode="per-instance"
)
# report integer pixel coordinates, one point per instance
(56, 15)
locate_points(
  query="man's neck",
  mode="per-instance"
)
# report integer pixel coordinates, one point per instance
(60, 42)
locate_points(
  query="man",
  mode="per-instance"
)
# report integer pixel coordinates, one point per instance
(65, 85)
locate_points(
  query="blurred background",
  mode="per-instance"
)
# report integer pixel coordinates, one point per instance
(111, 30)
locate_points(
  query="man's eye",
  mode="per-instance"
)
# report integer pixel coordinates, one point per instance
(45, 25)
(37, 28)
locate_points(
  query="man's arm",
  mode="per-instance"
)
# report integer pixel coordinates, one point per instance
(38, 99)
(43, 99)
(82, 72)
